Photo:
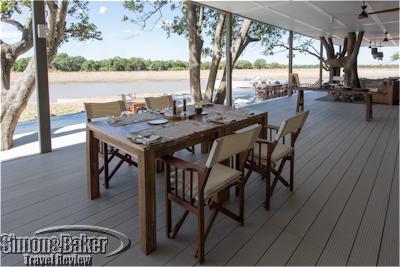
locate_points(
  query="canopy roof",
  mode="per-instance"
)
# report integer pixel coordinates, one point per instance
(321, 18)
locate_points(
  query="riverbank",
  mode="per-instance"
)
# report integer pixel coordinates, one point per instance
(69, 90)
(306, 75)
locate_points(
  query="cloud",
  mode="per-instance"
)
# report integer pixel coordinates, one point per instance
(10, 36)
(103, 10)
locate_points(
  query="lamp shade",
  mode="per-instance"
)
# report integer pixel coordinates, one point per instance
(374, 51)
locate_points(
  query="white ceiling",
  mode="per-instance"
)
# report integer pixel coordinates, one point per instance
(320, 18)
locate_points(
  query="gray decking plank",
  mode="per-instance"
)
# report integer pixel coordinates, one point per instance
(366, 245)
(389, 249)
(320, 230)
(339, 245)
(303, 208)
(302, 221)
(247, 251)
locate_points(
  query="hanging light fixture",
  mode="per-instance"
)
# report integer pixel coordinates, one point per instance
(363, 14)
(370, 46)
(386, 39)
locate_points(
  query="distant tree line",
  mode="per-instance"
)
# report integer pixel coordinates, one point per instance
(64, 62)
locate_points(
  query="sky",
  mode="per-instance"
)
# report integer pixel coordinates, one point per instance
(125, 39)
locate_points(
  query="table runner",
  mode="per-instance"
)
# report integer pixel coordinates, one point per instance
(172, 130)
(132, 118)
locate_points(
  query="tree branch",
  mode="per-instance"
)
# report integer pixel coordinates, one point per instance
(15, 23)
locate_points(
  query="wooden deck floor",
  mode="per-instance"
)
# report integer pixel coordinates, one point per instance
(344, 209)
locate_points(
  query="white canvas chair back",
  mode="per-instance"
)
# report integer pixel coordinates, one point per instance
(292, 124)
(159, 102)
(128, 97)
(98, 110)
(230, 145)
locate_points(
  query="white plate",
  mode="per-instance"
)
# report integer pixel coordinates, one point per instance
(204, 113)
(158, 122)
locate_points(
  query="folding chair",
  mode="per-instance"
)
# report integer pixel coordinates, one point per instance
(267, 154)
(161, 102)
(98, 110)
(194, 185)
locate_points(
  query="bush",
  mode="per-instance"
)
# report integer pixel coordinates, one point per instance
(90, 65)
(63, 62)
(275, 65)
(243, 64)
(21, 64)
(260, 63)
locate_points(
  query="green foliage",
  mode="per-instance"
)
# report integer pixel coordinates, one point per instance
(90, 65)
(259, 63)
(395, 56)
(275, 65)
(8, 7)
(66, 63)
(20, 64)
(63, 62)
(243, 64)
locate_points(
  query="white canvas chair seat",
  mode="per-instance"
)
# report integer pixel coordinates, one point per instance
(279, 152)
(265, 161)
(193, 185)
(220, 177)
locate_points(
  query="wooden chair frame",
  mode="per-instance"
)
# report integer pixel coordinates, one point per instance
(258, 162)
(192, 204)
(108, 153)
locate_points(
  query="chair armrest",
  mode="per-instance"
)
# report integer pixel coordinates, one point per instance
(263, 141)
(270, 126)
(181, 164)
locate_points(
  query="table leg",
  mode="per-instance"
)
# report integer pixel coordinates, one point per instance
(300, 101)
(92, 165)
(205, 147)
(147, 201)
(368, 100)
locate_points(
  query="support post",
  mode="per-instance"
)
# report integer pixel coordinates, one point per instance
(42, 86)
(290, 44)
(321, 51)
(228, 64)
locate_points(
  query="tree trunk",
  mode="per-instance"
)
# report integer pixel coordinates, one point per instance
(195, 47)
(15, 99)
(15, 103)
(240, 43)
(333, 71)
(350, 61)
(217, 54)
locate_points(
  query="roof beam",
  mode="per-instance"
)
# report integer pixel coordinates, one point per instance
(380, 23)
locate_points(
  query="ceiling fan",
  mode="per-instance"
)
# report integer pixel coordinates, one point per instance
(364, 14)
(387, 40)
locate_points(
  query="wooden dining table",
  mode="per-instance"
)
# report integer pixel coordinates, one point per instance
(365, 92)
(116, 136)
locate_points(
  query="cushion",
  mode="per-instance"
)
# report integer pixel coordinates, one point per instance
(220, 178)
(279, 152)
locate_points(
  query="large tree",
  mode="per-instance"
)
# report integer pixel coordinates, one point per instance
(210, 23)
(334, 61)
(65, 20)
